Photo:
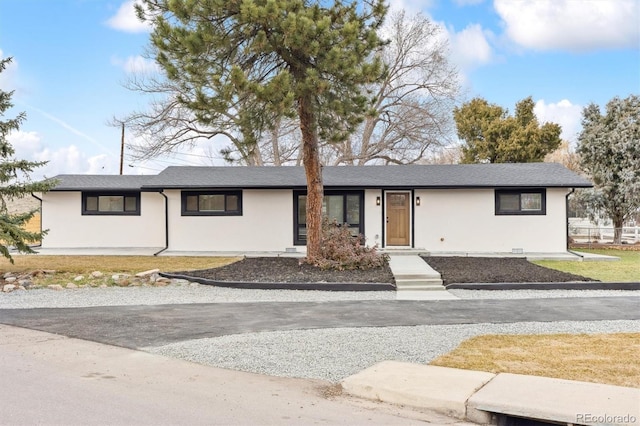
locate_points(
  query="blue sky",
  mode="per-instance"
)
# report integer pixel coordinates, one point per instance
(71, 58)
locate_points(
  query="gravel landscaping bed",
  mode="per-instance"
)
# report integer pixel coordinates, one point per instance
(496, 270)
(288, 270)
(452, 269)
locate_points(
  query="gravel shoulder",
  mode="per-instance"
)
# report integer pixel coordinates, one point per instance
(334, 354)
(182, 292)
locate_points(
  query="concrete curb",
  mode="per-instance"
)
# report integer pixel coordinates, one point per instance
(483, 397)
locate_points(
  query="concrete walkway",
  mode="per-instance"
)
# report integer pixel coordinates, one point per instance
(416, 280)
(574, 255)
(483, 397)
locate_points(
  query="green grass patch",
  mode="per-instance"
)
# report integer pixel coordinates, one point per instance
(627, 269)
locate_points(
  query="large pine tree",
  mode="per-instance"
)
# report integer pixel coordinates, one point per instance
(15, 182)
(490, 135)
(274, 58)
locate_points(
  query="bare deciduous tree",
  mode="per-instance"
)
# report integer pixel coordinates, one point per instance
(411, 114)
(168, 125)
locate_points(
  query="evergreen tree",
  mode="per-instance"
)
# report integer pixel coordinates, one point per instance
(274, 58)
(490, 135)
(609, 148)
(15, 183)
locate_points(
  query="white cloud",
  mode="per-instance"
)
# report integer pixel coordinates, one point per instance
(136, 64)
(564, 113)
(67, 159)
(571, 24)
(126, 20)
(470, 47)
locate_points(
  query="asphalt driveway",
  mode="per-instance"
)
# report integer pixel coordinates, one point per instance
(144, 326)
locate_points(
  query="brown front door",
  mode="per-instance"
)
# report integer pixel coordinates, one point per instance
(397, 207)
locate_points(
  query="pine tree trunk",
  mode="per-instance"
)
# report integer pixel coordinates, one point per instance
(313, 170)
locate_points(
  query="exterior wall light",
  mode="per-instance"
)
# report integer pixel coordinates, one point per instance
(417, 201)
(378, 201)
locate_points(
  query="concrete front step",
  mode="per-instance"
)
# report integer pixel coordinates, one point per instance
(417, 276)
(419, 286)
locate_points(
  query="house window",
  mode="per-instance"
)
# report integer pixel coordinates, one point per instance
(212, 203)
(345, 207)
(111, 203)
(521, 202)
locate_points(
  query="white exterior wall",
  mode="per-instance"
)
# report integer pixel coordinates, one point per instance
(68, 228)
(266, 224)
(373, 217)
(461, 220)
(464, 220)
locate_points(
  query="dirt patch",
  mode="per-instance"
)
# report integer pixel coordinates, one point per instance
(496, 270)
(288, 270)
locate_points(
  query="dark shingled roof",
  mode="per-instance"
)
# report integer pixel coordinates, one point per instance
(100, 182)
(407, 176)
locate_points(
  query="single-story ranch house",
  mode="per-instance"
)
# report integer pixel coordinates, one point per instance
(475, 208)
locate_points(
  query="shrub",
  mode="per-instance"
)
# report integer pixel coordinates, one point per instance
(342, 251)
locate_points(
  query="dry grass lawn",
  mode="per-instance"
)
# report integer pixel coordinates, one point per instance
(600, 358)
(34, 224)
(121, 264)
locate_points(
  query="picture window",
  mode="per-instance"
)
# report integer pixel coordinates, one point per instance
(521, 202)
(111, 203)
(212, 203)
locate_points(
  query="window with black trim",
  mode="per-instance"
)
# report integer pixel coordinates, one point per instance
(345, 207)
(521, 202)
(111, 203)
(211, 203)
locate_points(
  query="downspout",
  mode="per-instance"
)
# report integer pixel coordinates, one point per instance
(566, 209)
(39, 199)
(166, 223)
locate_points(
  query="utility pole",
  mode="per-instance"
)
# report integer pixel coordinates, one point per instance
(122, 149)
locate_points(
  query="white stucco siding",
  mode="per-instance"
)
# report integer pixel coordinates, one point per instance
(465, 221)
(266, 224)
(372, 217)
(69, 228)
